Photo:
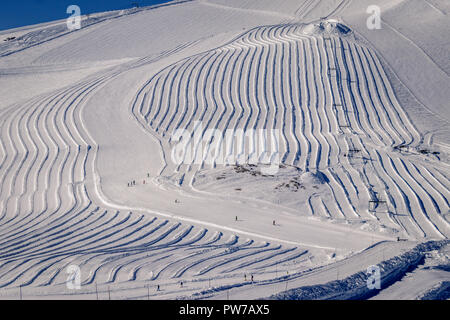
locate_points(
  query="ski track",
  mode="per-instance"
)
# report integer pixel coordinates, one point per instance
(325, 94)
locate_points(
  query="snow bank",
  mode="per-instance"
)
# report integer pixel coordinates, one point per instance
(331, 26)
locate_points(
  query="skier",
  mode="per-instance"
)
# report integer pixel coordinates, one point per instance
(157, 288)
(236, 218)
(273, 222)
(252, 278)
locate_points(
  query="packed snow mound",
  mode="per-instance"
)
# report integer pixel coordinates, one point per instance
(313, 178)
(330, 26)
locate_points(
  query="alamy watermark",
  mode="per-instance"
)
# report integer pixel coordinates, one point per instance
(232, 147)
